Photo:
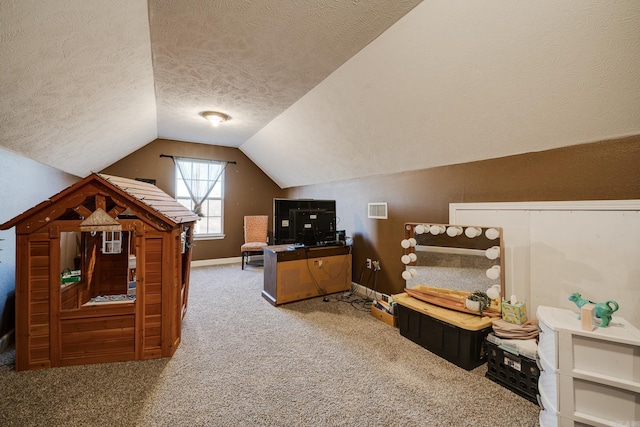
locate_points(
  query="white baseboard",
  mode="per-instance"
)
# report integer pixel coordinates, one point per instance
(217, 261)
(221, 261)
(368, 292)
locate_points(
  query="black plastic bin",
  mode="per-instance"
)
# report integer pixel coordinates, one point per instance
(518, 373)
(459, 346)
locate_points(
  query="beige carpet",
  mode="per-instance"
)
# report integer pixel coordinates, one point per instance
(243, 362)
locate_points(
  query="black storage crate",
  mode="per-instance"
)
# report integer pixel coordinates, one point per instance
(460, 346)
(516, 372)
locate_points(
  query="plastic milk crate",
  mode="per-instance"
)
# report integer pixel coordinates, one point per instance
(516, 372)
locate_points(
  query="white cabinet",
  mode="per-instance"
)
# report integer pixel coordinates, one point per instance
(587, 378)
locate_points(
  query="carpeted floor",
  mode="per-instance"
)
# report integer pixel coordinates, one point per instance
(243, 362)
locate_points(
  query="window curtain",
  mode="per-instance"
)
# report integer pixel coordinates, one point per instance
(197, 179)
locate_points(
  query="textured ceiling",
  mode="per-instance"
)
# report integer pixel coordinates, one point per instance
(86, 82)
(251, 59)
(318, 90)
(76, 80)
(457, 81)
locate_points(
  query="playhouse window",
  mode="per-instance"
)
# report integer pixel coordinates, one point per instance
(111, 242)
(97, 267)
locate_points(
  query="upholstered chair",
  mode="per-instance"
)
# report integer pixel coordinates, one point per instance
(255, 236)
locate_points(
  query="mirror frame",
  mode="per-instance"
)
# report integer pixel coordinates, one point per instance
(480, 242)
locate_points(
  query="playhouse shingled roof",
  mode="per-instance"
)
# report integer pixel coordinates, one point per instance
(147, 196)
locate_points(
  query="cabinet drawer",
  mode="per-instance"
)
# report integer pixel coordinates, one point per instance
(600, 357)
(590, 377)
(597, 403)
(547, 344)
(548, 383)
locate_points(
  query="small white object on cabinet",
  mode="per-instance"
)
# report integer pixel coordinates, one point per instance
(587, 377)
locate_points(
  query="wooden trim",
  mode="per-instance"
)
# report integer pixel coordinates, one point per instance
(35, 342)
(116, 210)
(152, 341)
(101, 186)
(140, 292)
(22, 302)
(99, 310)
(97, 358)
(101, 202)
(82, 211)
(66, 225)
(37, 221)
(55, 335)
(175, 303)
(167, 293)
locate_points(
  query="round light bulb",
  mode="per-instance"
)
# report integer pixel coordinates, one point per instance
(436, 229)
(406, 259)
(413, 272)
(419, 229)
(406, 275)
(413, 257)
(405, 243)
(492, 233)
(494, 292)
(494, 272)
(454, 231)
(472, 232)
(412, 242)
(493, 252)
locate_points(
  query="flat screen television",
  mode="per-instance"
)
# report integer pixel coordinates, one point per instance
(307, 222)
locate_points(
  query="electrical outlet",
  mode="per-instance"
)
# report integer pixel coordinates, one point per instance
(376, 266)
(369, 263)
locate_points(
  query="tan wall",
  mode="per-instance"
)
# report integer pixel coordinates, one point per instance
(248, 191)
(599, 171)
(607, 170)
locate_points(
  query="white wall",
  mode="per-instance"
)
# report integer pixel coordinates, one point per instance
(553, 249)
(455, 81)
(23, 184)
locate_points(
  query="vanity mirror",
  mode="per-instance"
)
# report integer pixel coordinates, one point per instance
(445, 263)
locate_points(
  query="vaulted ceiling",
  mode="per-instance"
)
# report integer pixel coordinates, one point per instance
(87, 82)
(317, 90)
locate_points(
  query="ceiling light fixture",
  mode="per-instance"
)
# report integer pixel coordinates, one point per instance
(215, 117)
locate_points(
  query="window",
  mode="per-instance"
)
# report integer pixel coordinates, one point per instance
(111, 242)
(200, 187)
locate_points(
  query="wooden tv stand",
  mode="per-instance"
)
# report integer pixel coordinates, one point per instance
(297, 274)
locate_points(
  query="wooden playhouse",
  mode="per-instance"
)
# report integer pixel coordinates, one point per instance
(102, 274)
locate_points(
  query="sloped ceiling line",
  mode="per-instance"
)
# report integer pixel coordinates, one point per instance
(345, 88)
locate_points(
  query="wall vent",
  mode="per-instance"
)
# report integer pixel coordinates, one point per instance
(378, 210)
